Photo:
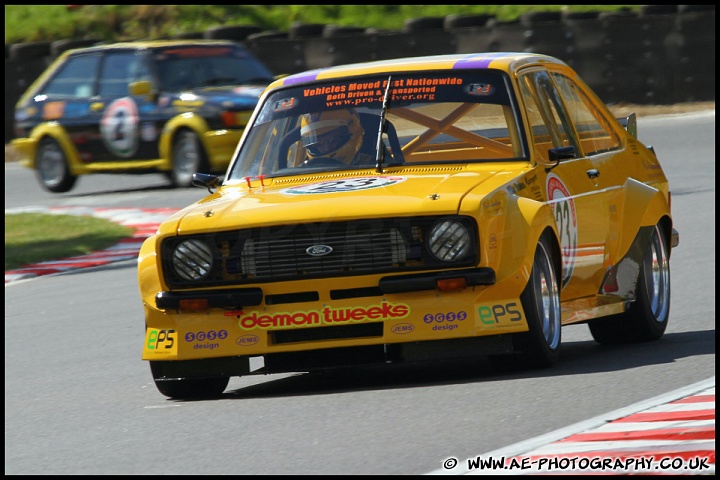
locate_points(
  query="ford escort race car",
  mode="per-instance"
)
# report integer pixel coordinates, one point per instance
(412, 210)
(176, 107)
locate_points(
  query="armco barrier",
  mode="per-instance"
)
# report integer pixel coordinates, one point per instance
(662, 55)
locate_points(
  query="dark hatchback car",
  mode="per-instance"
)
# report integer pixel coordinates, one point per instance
(176, 107)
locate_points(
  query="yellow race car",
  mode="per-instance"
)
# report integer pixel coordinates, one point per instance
(411, 210)
(170, 106)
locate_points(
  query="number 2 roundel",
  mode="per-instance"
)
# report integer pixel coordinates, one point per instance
(563, 206)
(119, 127)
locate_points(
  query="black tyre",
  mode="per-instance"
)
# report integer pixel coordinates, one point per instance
(539, 347)
(28, 50)
(59, 46)
(305, 30)
(457, 20)
(332, 31)
(189, 389)
(188, 157)
(647, 318)
(193, 388)
(52, 167)
(231, 32)
(422, 24)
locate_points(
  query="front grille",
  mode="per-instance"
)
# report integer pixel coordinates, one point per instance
(352, 251)
(317, 250)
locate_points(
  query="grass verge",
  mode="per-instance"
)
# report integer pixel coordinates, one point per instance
(38, 237)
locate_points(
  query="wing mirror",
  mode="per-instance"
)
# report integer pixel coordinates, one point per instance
(140, 88)
(558, 154)
(206, 180)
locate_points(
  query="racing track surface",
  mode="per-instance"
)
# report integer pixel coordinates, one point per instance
(80, 401)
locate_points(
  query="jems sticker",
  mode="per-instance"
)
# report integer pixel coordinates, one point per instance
(566, 217)
(160, 343)
(402, 328)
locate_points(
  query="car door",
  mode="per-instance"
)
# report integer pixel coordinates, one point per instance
(570, 185)
(65, 98)
(122, 128)
(610, 163)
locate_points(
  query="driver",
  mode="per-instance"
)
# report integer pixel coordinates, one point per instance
(334, 134)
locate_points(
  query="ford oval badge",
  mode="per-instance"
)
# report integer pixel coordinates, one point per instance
(319, 250)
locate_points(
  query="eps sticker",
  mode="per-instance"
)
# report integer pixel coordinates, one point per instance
(160, 343)
(500, 314)
(566, 217)
(344, 185)
(119, 127)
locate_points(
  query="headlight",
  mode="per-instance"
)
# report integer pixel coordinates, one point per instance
(192, 260)
(449, 241)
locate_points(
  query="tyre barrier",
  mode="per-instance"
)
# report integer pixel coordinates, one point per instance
(662, 54)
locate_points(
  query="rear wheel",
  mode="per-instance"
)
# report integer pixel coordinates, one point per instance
(188, 157)
(539, 347)
(193, 388)
(52, 167)
(647, 318)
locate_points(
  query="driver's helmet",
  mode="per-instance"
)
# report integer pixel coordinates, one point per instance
(334, 134)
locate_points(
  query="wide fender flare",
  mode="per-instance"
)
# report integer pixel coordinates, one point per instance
(150, 274)
(58, 133)
(149, 269)
(188, 120)
(527, 221)
(640, 205)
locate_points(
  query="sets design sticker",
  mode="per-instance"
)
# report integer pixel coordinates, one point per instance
(209, 339)
(119, 127)
(445, 320)
(563, 207)
(344, 185)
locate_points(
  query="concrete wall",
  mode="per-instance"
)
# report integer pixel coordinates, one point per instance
(662, 55)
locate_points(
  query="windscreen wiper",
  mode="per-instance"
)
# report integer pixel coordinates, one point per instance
(379, 147)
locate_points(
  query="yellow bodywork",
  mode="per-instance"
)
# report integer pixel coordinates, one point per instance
(508, 199)
(219, 144)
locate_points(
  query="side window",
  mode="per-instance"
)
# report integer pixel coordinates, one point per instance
(117, 72)
(596, 134)
(550, 125)
(74, 79)
(140, 69)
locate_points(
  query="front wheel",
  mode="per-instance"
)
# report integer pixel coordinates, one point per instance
(52, 167)
(188, 157)
(647, 318)
(191, 388)
(539, 347)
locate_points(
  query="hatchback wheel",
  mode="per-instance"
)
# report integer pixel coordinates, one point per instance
(52, 167)
(188, 157)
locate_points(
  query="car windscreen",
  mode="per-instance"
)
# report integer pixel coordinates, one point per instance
(185, 68)
(431, 117)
